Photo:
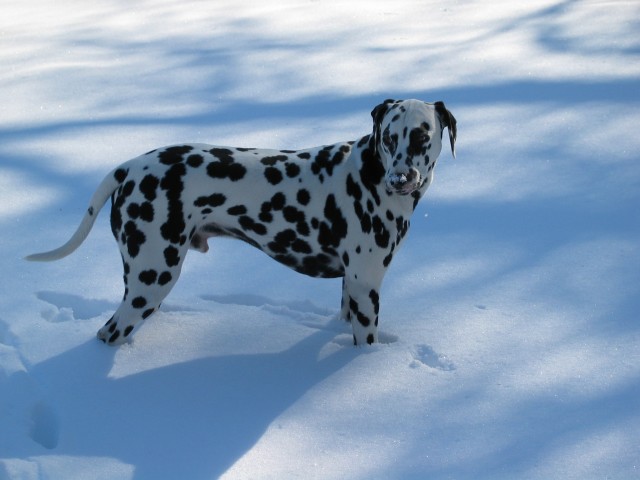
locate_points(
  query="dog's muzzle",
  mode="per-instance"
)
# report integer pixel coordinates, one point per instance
(404, 183)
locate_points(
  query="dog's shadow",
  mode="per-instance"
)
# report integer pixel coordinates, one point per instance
(304, 307)
(184, 420)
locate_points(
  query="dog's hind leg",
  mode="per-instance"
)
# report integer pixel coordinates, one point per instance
(145, 289)
(345, 311)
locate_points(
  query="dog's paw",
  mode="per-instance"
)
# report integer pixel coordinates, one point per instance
(112, 334)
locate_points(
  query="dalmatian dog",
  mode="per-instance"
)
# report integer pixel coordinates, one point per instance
(339, 210)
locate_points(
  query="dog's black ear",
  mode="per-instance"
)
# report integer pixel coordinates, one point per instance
(448, 120)
(378, 114)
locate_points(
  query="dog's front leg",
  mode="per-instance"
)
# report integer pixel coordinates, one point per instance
(360, 305)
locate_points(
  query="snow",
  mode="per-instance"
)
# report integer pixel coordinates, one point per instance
(509, 319)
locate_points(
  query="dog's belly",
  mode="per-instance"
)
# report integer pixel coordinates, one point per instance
(314, 262)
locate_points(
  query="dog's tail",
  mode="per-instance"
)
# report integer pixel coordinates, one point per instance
(106, 188)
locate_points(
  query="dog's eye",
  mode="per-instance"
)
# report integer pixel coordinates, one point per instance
(419, 137)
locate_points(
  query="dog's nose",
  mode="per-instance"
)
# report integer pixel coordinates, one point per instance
(400, 181)
(396, 180)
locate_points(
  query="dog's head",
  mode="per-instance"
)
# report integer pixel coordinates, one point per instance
(407, 136)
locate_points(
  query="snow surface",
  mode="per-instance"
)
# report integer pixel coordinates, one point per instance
(510, 318)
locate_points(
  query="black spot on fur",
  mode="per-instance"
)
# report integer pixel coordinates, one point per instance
(370, 206)
(292, 170)
(355, 312)
(277, 249)
(271, 161)
(127, 188)
(148, 276)
(171, 256)
(319, 266)
(116, 217)
(402, 227)
(390, 141)
(148, 187)
(375, 300)
(120, 174)
(144, 211)
(195, 160)
(147, 313)
(114, 337)
(165, 277)
(353, 189)
(224, 154)
(370, 339)
(225, 167)
(371, 173)
(416, 198)
(365, 220)
(248, 223)
(304, 155)
(213, 200)
(292, 214)
(418, 137)
(139, 302)
(288, 260)
(237, 210)
(128, 330)
(332, 231)
(363, 319)
(303, 197)
(278, 201)
(265, 214)
(273, 175)
(300, 246)
(133, 238)
(173, 155)
(381, 233)
(325, 162)
(302, 227)
(172, 183)
(282, 241)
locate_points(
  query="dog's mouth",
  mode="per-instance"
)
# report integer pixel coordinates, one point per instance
(404, 184)
(406, 190)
